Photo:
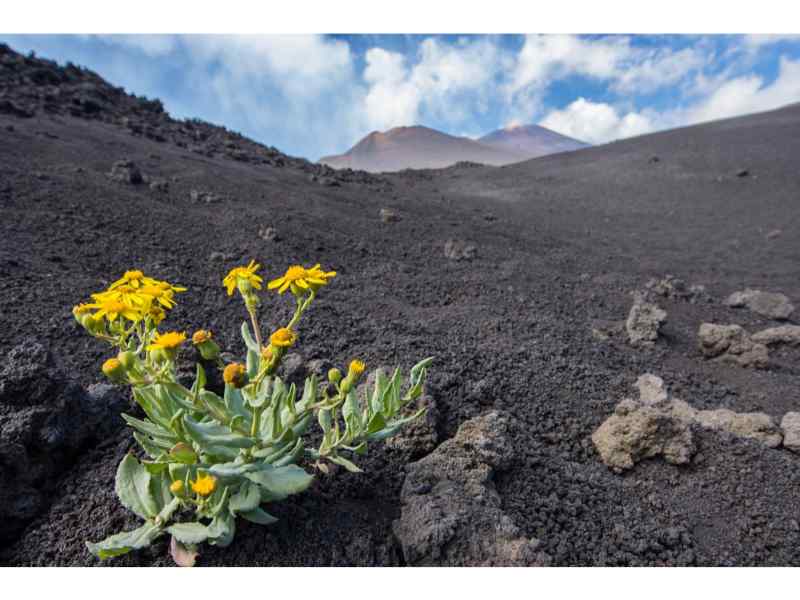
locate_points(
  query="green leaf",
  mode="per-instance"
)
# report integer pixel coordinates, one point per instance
(222, 529)
(418, 370)
(213, 434)
(122, 543)
(246, 499)
(133, 488)
(282, 482)
(183, 453)
(233, 469)
(189, 533)
(258, 515)
(184, 556)
(309, 393)
(349, 465)
(393, 427)
(248, 339)
(199, 380)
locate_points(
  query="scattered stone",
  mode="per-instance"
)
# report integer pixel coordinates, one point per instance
(451, 512)
(790, 426)
(757, 426)
(268, 234)
(603, 329)
(460, 250)
(775, 233)
(768, 304)
(159, 185)
(126, 171)
(651, 389)
(784, 334)
(389, 215)
(742, 173)
(654, 159)
(674, 288)
(638, 430)
(644, 322)
(203, 196)
(731, 343)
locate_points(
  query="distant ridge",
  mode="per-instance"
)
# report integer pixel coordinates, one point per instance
(419, 147)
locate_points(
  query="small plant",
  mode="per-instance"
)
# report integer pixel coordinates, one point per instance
(212, 459)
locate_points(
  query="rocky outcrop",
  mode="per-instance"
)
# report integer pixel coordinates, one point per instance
(731, 343)
(46, 420)
(644, 322)
(658, 424)
(768, 304)
(421, 436)
(784, 334)
(126, 171)
(790, 427)
(451, 512)
(757, 426)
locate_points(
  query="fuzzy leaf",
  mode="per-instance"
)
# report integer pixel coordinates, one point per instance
(133, 488)
(258, 515)
(347, 464)
(213, 434)
(248, 338)
(246, 499)
(221, 530)
(122, 543)
(282, 482)
(189, 533)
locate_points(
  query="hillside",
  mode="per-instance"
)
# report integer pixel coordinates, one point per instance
(518, 280)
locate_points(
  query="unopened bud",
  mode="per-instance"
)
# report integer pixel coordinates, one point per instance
(207, 347)
(176, 488)
(334, 375)
(128, 359)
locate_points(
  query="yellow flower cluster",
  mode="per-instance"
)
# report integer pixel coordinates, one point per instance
(134, 297)
(300, 280)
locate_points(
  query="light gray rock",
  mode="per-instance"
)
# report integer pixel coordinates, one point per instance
(636, 431)
(389, 215)
(769, 304)
(790, 425)
(731, 343)
(451, 512)
(757, 426)
(676, 289)
(783, 334)
(460, 250)
(651, 389)
(644, 322)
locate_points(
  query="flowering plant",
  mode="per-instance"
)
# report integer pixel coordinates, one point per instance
(212, 458)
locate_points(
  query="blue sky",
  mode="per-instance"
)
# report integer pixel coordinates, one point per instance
(311, 95)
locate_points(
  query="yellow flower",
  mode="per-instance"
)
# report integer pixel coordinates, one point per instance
(243, 277)
(300, 280)
(164, 296)
(81, 309)
(201, 336)
(235, 375)
(283, 338)
(112, 308)
(356, 368)
(167, 341)
(204, 485)
(134, 279)
(176, 487)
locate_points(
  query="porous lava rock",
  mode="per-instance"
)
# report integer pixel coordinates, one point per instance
(644, 322)
(731, 343)
(451, 512)
(768, 304)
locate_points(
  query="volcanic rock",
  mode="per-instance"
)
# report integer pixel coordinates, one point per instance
(783, 334)
(677, 289)
(757, 426)
(644, 322)
(451, 512)
(126, 171)
(460, 250)
(731, 343)
(790, 426)
(769, 304)
(420, 436)
(389, 215)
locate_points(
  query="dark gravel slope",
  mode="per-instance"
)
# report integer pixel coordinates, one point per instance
(560, 243)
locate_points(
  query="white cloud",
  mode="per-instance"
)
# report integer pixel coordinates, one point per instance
(595, 122)
(759, 40)
(746, 94)
(654, 69)
(448, 82)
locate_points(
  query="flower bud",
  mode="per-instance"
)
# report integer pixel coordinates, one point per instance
(356, 369)
(176, 488)
(207, 347)
(334, 375)
(114, 370)
(235, 374)
(128, 359)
